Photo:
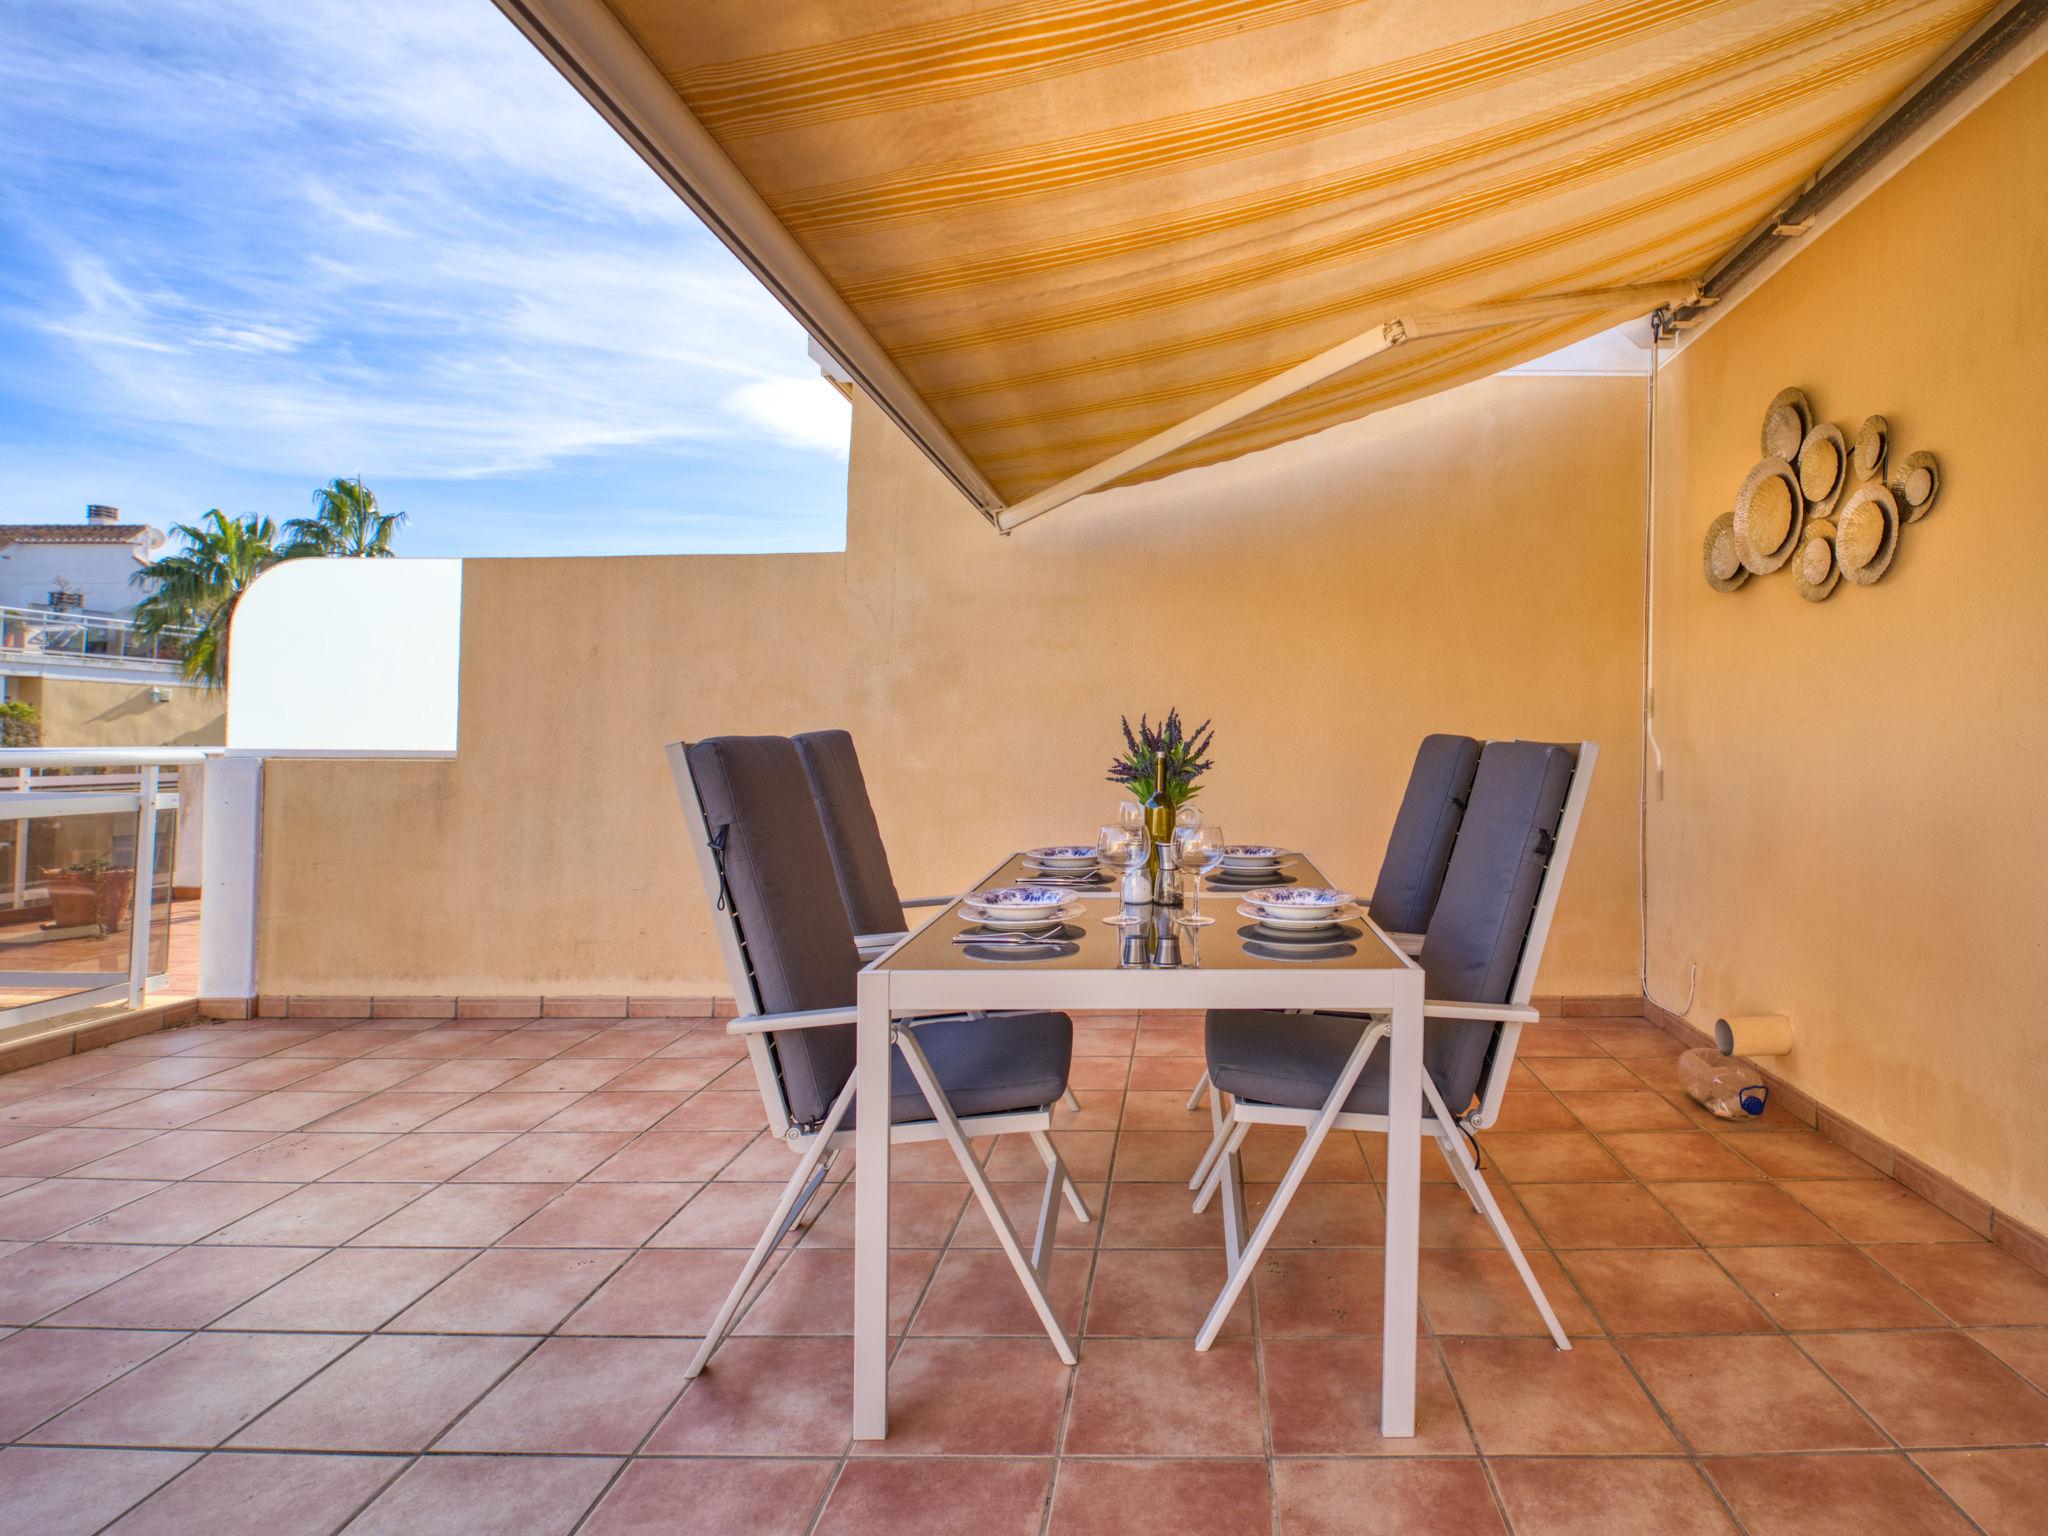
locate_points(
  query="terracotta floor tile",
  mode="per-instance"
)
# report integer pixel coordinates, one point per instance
(812, 1292)
(362, 1076)
(1478, 1291)
(1743, 1214)
(1100, 1071)
(180, 1072)
(1737, 1396)
(1583, 1074)
(1323, 1399)
(1086, 1153)
(464, 1077)
(1188, 1498)
(1020, 1201)
(1270, 1150)
(624, 1045)
(1178, 1073)
(1548, 1039)
(272, 1072)
(670, 1294)
(2006, 1492)
(768, 1160)
(1158, 1397)
(500, 1110)
(734, 1215)
(178, 1213)
(39, 1152)
(437, 1043)
(420, 1157)
(1641, 1042)
(459, 1216)
(400, 1108)
(678, 1157)
(534, 1044)
(320, 1215)
(717, 1110)
(1550, 1157)
(1975, 1283)
(174, 1155)
(187, 1289)
(1159, 1216)
(1385, 1498)
(600, 1216)
(1319, 1293)
(509, 1290)
(2024, 1349)
(227, 1494)
(284, 1110)
(544, 1157)
(299, 1158)
(386, 1394)
(920, 1216)
(1160, 1294)
(575, 1396)
(72, 1106)
(1803, 1155)
(607, 1111)
(1812, 1288)
(54, 1491)
(504, 1495)
(976, 1293)
(36, 1279)
(1532, 1107)
(1834, 1496)
(1450, 1220)
(712, 1498)
(1679, 1155)
(675, 1074)
(1525, 1397)
(170, 1109)
(1623, 1110)
(349, 1290)
(940, 1403)
(1675, 1290)
(1158, 1156)
(1600, 1216)
(1609, 1498)
(1933, 1389)
(1162, 1109)
(1879, 1211)
(45, 1370)
(46, 1209)
(770, 1397)
(923, 1497)
(197, 1392)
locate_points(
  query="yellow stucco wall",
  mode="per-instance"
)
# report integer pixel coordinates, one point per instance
(94, 714)
(1855, 821)
(1469, 563)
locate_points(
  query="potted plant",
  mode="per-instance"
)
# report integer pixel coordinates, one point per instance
(89, 893)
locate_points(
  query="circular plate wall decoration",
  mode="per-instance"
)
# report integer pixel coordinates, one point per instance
(1814, 571)
(1721, 557)
(1823, 468)
(1786, 421)
(1872, 439)
(1867, 534)
(1767, 516)
(1916, 484)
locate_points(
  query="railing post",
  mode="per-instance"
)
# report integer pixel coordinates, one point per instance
(145, 884)
(231, 869)
(21, 782)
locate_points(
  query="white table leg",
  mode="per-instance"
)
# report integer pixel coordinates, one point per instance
(871, 1209)
(1404, 1210)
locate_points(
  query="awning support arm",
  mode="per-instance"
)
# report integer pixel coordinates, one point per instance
(1327, 364)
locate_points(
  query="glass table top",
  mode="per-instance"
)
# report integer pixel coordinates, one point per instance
(1105, 936)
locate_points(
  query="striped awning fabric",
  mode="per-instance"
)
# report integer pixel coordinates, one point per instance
(1070, 224)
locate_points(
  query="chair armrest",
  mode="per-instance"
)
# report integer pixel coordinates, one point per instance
(1410, 944)
(928, 901)
(875, 943)
(773, 1023)
(1502, 1013)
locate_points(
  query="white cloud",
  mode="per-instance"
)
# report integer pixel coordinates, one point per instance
(801, 413)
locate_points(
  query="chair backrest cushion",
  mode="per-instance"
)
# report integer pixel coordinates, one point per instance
(1425, 828)
(1473, 946)
(798, 942)
(852, 836)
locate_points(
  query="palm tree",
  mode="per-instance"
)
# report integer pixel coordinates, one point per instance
(199, 586)
(345, 522)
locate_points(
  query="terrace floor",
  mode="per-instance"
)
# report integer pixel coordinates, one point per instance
(272, 1278)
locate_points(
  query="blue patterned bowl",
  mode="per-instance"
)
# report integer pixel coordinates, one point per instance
(1019, 898)
(1299, 901)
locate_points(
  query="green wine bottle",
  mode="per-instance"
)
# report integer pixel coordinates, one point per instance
(1158, 818)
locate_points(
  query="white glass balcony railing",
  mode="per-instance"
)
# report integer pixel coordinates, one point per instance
(88, 639)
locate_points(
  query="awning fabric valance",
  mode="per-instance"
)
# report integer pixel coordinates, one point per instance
(1042, 231)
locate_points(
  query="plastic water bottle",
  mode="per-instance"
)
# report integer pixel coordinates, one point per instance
(1727, 1085)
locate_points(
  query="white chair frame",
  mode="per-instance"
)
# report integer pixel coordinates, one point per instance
(1232, 1119)
(818, 1147)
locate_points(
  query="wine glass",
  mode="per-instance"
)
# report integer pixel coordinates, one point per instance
(1131, 816)
(1201, 850)
(1112, 846)
(1185, 818)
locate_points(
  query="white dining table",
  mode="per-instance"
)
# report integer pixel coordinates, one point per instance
(1220, 967)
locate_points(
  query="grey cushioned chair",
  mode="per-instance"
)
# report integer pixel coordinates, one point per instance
(853, 837)
(789, 950)
(1479, 954)
(1418, 853)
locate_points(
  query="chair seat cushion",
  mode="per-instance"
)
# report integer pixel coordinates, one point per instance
(1292, 1059)
(988, 1065)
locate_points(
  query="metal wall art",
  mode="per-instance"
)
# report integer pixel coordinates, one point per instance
(1818, 504)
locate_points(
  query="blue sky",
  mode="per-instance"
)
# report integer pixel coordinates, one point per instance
(249, 245)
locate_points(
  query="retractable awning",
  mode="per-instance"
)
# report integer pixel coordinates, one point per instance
(1082, 242)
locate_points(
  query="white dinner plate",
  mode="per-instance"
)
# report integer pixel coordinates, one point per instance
(1297, 919)
(1060, 856)
(1045, 918)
